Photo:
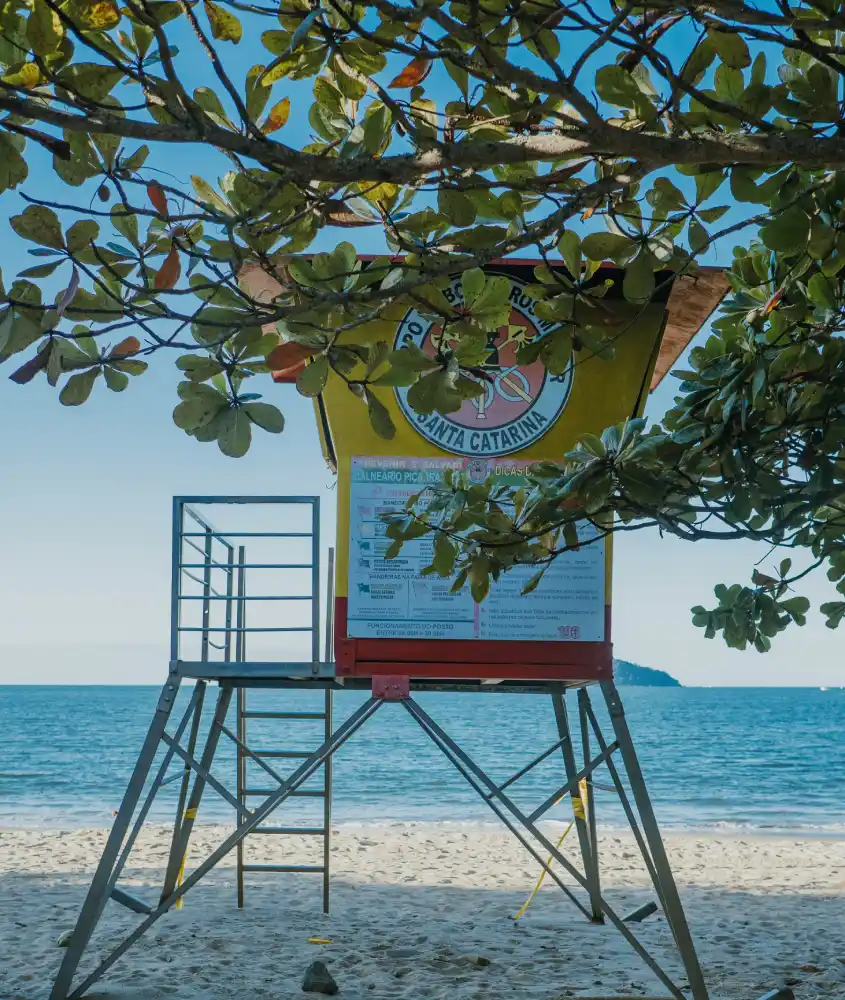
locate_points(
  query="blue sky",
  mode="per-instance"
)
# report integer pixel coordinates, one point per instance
(84, 547)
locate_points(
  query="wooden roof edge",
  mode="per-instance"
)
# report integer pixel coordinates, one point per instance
(692, 301)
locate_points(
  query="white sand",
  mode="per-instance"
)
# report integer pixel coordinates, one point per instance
(409, 900)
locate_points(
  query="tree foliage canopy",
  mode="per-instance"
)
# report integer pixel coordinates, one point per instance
(461, 133)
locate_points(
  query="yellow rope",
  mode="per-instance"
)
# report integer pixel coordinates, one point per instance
(579, 813)
(543, 873)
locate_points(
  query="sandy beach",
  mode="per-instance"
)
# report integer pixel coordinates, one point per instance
(414, 907)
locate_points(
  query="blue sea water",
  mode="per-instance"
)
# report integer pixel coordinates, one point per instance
(731, 759)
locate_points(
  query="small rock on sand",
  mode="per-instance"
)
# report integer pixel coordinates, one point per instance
(318, 979)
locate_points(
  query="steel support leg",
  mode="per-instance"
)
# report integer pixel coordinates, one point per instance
(270, 804)
(588, 798)
(625, 803)
(97, 895)
(190, 711)
(185, 783)
(668, 890)
(185, 825)
(587, 854)
(466, 767)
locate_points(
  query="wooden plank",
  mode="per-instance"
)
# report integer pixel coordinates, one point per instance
(691, 303)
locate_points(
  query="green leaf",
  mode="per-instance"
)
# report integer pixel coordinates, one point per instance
(617, 87)
(493, 297)
(82, 234)
(41, 270)
(312, 379)
(379, 416)
(126, 225)
(116, 380)
(788, 232)
(268, 417)
(44, 29)
(556, 351)
(707, 183)
(137, 159)
(601, 246)
(205, 192)
(729, 84)
(534, 582)
(638, 283)
(83, 163)
(257, 94)
(78, 387)
(13, 168)
(479, 238)
(456, 206)
(699, 61)
(822, 291)
(422, 396)
(472, 284)
(796, 608)
(479, 578)
(235, 433)
(699, 238)
(7, 321)
(444, 555)
(731, 48)
(92, 80)
(225, 27)
(213, 107)
(130, 366)
(199, 367)
(569, 246)
(40, 225)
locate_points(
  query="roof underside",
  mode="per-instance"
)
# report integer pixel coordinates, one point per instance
(691, 303)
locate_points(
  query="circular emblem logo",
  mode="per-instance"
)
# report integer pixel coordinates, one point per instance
(520, 402)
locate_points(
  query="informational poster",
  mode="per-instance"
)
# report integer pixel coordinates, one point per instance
(389, 599)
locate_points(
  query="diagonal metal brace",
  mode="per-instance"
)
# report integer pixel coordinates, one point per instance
(572, 785)
(207, 776)
(528, 767)
(252, 755)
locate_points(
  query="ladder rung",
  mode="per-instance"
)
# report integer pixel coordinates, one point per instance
(304, 831)
(284, 868)
(307, 793)
(284, 715)
(285, 754)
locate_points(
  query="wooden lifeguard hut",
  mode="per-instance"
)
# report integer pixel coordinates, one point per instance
(394, 633)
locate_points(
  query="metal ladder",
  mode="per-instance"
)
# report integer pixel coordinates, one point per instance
(245, 791)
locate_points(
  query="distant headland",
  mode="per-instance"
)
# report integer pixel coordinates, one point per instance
(629, 673)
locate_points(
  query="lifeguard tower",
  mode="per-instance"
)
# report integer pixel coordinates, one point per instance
(394, 634)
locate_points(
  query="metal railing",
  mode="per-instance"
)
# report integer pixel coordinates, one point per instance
(209, 572)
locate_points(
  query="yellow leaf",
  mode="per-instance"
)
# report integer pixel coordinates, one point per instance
(28, 76)
(278, 116)
(224, 25)
(100, 15)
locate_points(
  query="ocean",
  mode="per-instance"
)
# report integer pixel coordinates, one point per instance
(744, 760)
